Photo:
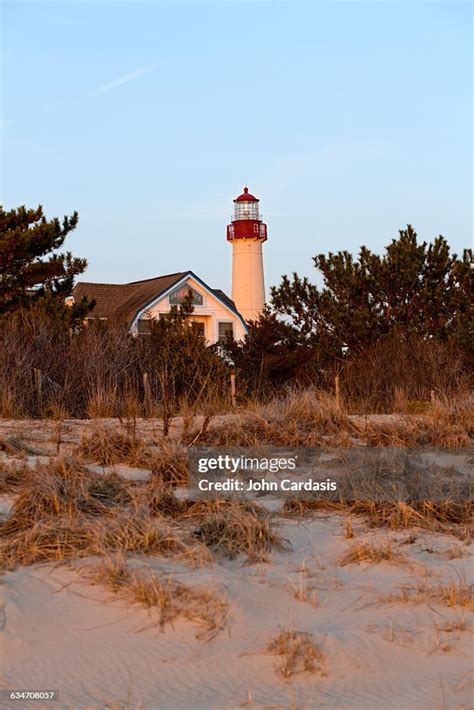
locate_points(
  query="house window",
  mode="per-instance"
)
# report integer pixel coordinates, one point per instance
(198, 327)
(143, 326)
(225, 328)
(179, 294)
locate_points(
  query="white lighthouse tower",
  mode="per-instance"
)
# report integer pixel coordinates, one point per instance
(247, 233)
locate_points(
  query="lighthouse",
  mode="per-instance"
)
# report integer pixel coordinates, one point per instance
(246, 233)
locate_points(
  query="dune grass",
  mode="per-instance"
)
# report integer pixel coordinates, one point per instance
(169, 598)
(394, 489)
(63, 511)
(240, 529)
(315, 417)
(106, 447)
(170, 465)
(456, 593)
(13, 476)
(370, 552)
(59, 539)
(299, 652)
(451, 518)
(64, 487)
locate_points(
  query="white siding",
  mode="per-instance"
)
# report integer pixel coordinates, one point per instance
(211, 312)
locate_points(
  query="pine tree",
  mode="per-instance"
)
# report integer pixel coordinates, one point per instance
(30, 267)
(270, 356)
(413, 288)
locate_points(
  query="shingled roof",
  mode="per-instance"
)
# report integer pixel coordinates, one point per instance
(122, 302)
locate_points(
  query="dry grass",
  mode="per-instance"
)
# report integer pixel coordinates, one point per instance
(455, 627)
(171, 599)
(63, 487)
(450, 423)
(455, 594)
(349, 529)
(162, 501)
(455, 552)
(64, 538)
(303, 591)
(312, 410)
(393, 488)
(403, 374)
(170, 466)
(240, 529)
(63, 511)
(404, 433)
(296, 419)
(445, 424)
(370, 552)
(102, 402)
(13, 476)
(300, 653)
(447, 517)
(106, 447)
(146, 535)
(314, 418)
(13, 446)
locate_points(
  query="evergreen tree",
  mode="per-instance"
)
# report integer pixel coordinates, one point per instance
(30, 267)
(270, 356)
(413, 288)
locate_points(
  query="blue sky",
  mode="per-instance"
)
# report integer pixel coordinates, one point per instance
(348, 120)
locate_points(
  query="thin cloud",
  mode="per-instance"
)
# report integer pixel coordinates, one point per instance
(103, 88)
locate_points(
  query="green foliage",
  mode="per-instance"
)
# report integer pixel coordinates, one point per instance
(413, 288)
(30, 267)
(270, 356)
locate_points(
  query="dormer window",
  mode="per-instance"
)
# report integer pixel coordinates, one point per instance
(177, 297)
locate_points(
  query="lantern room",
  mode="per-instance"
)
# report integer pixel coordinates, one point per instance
(246, 206)
(246, 220)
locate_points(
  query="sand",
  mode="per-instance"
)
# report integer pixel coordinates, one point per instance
(57, 631)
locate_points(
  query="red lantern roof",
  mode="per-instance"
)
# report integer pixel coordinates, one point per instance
(246, 197)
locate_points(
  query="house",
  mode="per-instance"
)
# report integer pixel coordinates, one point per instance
(135, 303)
(215, 314)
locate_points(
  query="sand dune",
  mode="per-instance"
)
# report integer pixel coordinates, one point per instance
(61, 632)
(376, 604)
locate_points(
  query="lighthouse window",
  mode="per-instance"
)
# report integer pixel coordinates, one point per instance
(225, 329)
(178, 295)
(246, 210)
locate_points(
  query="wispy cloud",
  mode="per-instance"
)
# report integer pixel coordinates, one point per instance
(103, 88)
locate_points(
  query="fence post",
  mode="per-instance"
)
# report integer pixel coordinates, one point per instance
(232, 389)
(147, 395)
(38, 386)
(337, 391)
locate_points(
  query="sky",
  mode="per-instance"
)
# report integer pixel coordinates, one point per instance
(347, 119)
